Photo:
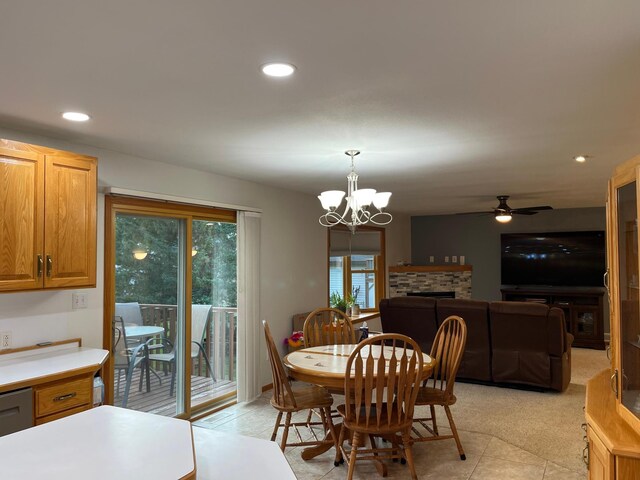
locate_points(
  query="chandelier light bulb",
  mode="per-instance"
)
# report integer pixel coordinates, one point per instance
(503, 217)
(356, 210)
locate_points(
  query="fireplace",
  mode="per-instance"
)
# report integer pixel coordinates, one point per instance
(432, 294)
(440, 281)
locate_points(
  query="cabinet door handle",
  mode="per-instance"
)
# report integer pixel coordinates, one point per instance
(614, 382)
(49, 265)
(40, 265)
(62, 398)
(585, 455)
(605, 279)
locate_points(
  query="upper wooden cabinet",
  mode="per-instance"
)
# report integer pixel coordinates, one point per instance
(47, 218)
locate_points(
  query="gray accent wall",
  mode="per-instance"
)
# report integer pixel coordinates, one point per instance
(477, 238)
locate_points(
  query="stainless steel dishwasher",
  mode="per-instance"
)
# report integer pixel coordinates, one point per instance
(16, 411)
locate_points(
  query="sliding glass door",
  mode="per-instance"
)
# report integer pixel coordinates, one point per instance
(172, 316)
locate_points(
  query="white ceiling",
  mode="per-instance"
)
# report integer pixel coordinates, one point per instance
(451, 103)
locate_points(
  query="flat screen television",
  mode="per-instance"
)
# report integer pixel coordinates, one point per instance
(569, 259)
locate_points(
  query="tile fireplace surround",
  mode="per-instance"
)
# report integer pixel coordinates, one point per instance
(430, 278)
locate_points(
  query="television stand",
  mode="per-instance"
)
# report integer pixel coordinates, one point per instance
(583, 309)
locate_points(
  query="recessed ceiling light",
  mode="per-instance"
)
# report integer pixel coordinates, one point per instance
(76, 116)
(278, 69)
(581, 158)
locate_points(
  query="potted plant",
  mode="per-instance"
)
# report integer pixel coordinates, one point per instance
(352, 301)
(336, 301)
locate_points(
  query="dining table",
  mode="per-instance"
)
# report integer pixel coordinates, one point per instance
(325, 366)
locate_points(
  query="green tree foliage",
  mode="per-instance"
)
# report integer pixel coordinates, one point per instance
(154, 279)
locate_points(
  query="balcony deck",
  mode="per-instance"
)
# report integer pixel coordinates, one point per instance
(159, 401)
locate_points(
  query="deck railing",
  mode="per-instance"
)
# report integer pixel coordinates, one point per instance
(220, 339)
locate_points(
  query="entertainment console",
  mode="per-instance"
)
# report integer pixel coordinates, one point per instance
(583, 309)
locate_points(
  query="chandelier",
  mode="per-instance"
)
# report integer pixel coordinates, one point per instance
(356, 210)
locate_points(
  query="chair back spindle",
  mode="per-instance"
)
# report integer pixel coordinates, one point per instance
(447, 350)
(377, 379)
(282, 392)
(328, 326)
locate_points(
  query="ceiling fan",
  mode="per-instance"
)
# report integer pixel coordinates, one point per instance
(504, 212)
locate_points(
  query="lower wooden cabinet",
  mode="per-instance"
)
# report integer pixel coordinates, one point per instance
(61, 398)
(600, 460)
(613, 447)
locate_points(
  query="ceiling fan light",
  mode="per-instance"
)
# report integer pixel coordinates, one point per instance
(503, 217)
(381, 199)
(331, 199)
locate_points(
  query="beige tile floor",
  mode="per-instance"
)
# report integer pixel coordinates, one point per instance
(488, 458)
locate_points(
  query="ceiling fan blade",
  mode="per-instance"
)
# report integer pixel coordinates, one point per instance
(523, 212)
(539, 208)
(475, 213)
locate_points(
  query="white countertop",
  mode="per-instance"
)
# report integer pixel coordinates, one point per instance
(17, 369)
(108, 443)
(104, 443)
(227, 456)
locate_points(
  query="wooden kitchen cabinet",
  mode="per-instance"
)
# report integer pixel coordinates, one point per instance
(62, 398)
(48, 218)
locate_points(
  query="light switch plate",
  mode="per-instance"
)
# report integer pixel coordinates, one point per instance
(446, 259)
(432, 259)
(78, 300)
(454, 259)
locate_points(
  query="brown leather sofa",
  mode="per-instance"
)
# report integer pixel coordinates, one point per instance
(508, 343)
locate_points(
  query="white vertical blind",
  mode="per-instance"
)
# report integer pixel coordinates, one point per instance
(249, 343)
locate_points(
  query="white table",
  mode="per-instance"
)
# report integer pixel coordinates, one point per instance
(103, 443)
(142, 331)
(221, 455)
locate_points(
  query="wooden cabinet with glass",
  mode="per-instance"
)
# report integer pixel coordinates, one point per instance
(48, 210)
(613, 397)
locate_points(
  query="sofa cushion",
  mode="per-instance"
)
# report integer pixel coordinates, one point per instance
(520, 341)
(476, 360)
(411, 316)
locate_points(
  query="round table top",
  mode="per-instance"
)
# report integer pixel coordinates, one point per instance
(137, 331)
(326, 365)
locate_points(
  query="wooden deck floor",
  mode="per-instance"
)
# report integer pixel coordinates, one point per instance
(159, 401)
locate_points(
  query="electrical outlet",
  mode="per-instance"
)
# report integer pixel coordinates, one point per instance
(446, 259)
(461, 259)
(5, 340)
(454, 259)
(432, 259)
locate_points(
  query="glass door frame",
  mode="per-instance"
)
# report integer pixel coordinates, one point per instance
(621, 178)
(115, 204)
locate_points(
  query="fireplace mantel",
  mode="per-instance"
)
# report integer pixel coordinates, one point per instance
(430, 268)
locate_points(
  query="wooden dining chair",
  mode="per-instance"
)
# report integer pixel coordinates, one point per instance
(328, 326)
(290, 399)
(437, 390)
(382, 384)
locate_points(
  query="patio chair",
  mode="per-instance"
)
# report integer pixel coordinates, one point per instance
(290, 399)
(447, 350)
(200, 318)
(382, 378)
(126, 358)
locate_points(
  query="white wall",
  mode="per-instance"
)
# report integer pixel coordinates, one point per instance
(293, 248)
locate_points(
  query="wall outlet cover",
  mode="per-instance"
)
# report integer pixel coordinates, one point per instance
(432, 259)
(446, 259)
(454, 259)
(5, 340)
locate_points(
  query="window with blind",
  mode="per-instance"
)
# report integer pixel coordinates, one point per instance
(356, 265)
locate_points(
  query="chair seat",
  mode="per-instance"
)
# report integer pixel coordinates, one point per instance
(307, 396)
(434, 396)
(385, 425)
